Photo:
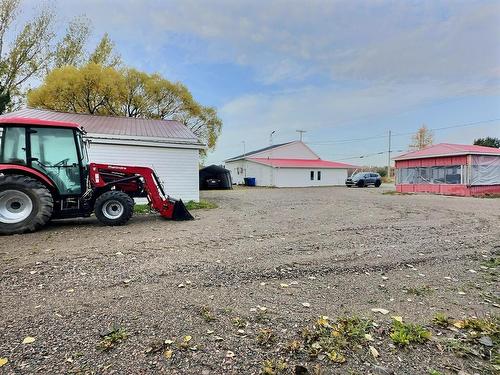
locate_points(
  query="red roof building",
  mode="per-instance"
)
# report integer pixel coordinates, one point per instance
(291, 164)
(450, 169)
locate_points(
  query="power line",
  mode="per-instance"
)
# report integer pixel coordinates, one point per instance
(401, 134)
(368, 155)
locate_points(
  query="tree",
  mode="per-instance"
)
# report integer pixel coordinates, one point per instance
(488, 142)
(102, 90)
(30, 52)
(4, 99)
(71, 49)
(422, 139)
(104, 53)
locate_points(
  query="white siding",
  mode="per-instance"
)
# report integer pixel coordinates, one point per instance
(295, 150)
(297, 177)
(262, 173)
(177, 168)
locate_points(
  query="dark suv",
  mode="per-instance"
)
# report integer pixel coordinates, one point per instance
(362, 179)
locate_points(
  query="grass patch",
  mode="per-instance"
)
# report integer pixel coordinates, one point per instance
(266, 337)
(202, 204)
(142, 208)
(478, 338)
(492, 262)
(333, 338)
(207, 314)
(403, 334)
(191, 205)
(274, 367)
(239, 323)
(112, 338)
(420, 291)
(441, 320)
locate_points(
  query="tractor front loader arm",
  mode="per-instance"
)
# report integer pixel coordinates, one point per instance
(122, 177)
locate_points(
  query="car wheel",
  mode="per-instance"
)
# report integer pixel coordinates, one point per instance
(378, 183)
(361, 183)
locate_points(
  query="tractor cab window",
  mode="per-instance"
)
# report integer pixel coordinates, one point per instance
(54, 153)
(12, 145)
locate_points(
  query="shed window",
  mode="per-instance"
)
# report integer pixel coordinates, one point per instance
(312, 175)
(319, 175)
(430, 175)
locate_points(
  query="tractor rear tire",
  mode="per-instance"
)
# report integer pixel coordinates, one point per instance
(25, 204)
(114, 208)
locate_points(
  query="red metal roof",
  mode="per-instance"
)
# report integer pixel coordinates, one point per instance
(33, 121)
(113, 125)
(301, 163)
(449, 149)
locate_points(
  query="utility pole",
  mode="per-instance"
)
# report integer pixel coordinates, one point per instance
(271, 137)
(301, 132)
(389, 158)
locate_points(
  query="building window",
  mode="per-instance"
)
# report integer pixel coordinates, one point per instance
(312, 175)
(319, 175)
(430, 175)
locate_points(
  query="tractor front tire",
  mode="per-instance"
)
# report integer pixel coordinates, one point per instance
(114, 208)
(25, 204)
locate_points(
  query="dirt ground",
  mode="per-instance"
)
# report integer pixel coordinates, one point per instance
(233, 288)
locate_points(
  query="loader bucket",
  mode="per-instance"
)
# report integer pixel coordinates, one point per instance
(180, 212)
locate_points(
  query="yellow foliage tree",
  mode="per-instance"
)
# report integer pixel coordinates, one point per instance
(103, 90)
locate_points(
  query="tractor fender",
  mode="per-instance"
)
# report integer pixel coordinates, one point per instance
(27, 171)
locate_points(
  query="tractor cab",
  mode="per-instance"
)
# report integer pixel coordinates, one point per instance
(57, 152)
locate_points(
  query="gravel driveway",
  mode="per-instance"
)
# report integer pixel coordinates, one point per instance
(232, 289)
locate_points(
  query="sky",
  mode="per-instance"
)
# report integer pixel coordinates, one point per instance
(346, 72)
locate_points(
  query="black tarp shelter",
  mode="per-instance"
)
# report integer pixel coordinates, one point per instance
(215, 177)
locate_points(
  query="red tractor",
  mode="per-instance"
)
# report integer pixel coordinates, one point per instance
(45, 174)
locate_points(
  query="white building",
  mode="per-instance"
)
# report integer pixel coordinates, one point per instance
(168, 147)
(291, 164)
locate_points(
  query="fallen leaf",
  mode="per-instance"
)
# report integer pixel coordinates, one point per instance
(382, 311)
(397, 318)
(209, 331)
(28, 340)
(230, 354)
(3, 361)
(374, 352)
(168, 342)
(168, 354)
(368, 337)
(306, 304)
(218, 338)
(459, 323)
(180, 286)
(284, 285)
(187, 338)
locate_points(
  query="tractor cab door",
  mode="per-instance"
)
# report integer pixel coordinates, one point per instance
(53, 151)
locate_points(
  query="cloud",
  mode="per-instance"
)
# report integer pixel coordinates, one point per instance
(291, 40)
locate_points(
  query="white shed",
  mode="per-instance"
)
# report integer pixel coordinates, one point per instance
(291, 164)
(168, 147)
